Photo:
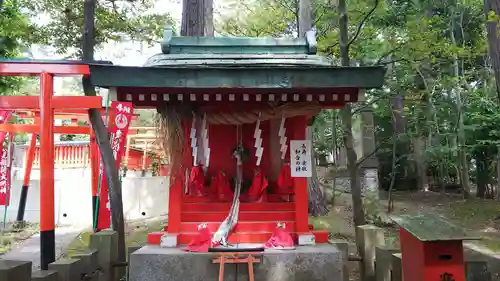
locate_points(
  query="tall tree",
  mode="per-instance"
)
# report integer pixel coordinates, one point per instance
(317, 198)
(101, 133)
(492, 10)
(346, 112)
(197, 18)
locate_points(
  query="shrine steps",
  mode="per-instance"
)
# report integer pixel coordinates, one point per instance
(271, 198)
(256, 221)
(245, 226)
(274, 216)
(251, 207)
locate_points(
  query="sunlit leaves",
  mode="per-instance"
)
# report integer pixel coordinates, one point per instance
(60, 22)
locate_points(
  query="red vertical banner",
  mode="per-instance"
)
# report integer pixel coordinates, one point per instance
(118, 129)
(4, 118)
(5, 167)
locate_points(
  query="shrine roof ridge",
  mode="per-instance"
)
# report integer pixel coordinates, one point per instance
(237, 45)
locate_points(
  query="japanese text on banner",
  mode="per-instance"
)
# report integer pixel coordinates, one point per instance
(5, 167)
(118, 128)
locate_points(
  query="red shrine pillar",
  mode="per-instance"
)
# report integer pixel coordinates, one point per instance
(47, 212)
(175, 197)
(300, 186)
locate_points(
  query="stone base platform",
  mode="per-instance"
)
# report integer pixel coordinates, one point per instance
(305, 263)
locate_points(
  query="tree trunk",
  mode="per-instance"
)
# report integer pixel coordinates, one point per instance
(101, 134)
(494, 51)
(317, 199)
(305, 17)
(209, 18)
(352, 167)
(318, 205)
(462, 155)
(481, 174)
(194, 18)
(359, 216)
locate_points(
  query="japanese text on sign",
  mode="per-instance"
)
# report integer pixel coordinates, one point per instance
(300, 158)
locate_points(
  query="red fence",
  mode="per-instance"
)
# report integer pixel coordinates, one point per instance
(77, 156)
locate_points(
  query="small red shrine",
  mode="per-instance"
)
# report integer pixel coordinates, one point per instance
(233, 116)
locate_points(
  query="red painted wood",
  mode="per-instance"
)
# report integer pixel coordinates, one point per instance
(234, 238)
(28, 128)
(35, 68)
(270, 198)
(47, 192)
(421, 260)
(301, 205)
(321, 236)
(300, 184)
(253, 226)
(154, 238)
(224, 207)
(243, 216)
(174, 206)
(60, 102)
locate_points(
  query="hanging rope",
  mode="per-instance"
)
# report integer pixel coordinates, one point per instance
(96, 215)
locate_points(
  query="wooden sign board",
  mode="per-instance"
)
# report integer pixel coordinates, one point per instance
(300, 158)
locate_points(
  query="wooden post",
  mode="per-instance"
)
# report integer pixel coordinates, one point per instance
(94, 175)
(28, 164)
(47, 212)
(144, 159)
(127, 155)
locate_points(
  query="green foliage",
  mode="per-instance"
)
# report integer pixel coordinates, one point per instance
(62, 24)
(435, 52)
(14, 28)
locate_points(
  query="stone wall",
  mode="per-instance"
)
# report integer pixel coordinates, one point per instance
(143, 197)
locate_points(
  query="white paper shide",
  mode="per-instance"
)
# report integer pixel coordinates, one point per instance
(300, 158)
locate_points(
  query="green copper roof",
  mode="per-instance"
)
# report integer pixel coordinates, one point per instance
(428, 228)
(178, 51)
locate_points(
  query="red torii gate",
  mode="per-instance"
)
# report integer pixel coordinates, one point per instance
(74, 115)
(47, 103)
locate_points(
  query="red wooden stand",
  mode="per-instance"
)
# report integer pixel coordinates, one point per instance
(234, 258)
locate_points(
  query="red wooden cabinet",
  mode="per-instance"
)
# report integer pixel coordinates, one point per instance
(431, 248)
